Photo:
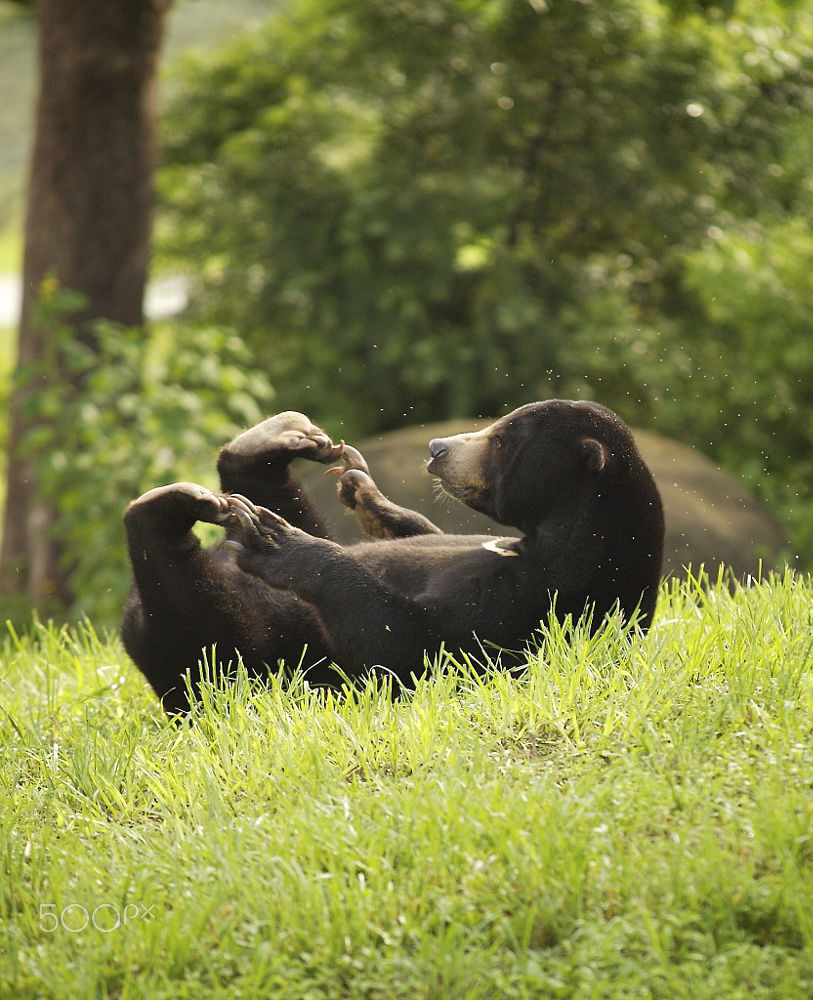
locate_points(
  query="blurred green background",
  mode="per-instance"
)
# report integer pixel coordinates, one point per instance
(393, 212)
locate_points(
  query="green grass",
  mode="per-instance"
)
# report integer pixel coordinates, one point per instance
(629, 819)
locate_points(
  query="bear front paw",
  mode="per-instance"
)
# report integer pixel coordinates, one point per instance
(352, 486)
(285, 436)
(263, 541)
(175, 508)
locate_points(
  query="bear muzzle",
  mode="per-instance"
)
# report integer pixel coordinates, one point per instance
(458, 462)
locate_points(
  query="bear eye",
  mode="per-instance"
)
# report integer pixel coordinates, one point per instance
(497, 441)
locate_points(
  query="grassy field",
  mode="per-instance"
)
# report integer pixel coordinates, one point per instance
(631, 818)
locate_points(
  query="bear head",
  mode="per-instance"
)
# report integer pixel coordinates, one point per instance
(544, 461)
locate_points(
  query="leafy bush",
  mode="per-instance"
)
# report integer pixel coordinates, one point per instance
(754, 284)
(139, 409)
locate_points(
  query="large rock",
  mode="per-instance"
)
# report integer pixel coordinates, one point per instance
(710, 518)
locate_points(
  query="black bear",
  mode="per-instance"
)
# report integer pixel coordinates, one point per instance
(567, 474)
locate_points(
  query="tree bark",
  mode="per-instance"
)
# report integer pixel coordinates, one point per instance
(87, 225)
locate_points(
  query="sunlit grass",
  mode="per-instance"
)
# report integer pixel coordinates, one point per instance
(628, 818)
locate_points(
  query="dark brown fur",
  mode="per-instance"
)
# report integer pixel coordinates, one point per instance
(567, 474)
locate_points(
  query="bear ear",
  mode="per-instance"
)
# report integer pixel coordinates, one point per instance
(594, 455)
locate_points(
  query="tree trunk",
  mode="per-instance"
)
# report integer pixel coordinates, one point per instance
(87, 224)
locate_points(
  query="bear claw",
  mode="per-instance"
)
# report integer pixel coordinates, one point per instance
(353, 461)
(241, 515)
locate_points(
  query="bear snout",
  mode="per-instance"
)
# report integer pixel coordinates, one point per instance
(458, 463)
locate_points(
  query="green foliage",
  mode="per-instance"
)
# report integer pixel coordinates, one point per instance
(426, 210)
(630, 818)
(135, 409)
(754, 283)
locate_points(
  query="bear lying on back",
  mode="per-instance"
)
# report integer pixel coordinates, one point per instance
(567, 474)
